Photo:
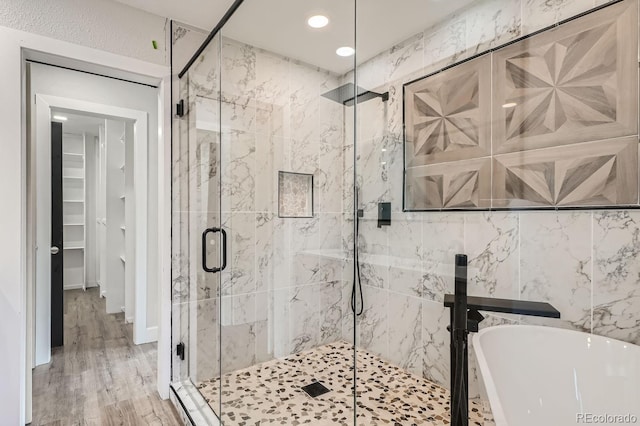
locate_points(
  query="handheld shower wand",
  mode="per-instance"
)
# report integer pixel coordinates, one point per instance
(357, 283)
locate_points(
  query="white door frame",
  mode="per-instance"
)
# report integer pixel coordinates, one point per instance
(142, 333)
(15, 48)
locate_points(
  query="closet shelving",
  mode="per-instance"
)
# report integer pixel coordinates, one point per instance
(113, 204)
(74, 210)
(115, 251)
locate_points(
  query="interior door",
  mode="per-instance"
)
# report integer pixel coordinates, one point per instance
(57, 259)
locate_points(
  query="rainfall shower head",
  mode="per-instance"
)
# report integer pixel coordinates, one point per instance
(346, 94)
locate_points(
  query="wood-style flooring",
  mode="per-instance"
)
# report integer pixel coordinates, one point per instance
(99, 377)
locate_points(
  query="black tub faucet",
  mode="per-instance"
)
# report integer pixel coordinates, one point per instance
(464, 318)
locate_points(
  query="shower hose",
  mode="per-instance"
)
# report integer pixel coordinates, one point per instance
(357, 283)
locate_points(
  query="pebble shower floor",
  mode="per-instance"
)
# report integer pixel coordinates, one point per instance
(270, 393)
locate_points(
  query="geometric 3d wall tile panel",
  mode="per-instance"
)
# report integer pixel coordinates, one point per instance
(585, 174)
(575, 83)
(458, 184)
(448, 115)
(563, 107)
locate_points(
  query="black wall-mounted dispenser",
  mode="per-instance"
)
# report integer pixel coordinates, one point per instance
(384, 214)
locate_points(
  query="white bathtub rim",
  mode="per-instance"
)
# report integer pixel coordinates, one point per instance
(487, 379)
(485, 372)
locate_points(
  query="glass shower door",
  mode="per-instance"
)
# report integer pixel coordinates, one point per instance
(199, 240)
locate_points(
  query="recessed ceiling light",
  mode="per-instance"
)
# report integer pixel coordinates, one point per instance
(60, 117)
(318, 21)
(345, 51)
(509, 105)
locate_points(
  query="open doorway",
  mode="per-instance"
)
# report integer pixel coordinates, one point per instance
(93, 233)
(92, 172)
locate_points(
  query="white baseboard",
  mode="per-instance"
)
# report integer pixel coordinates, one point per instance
(152, 332)
(73, 286)
(150, 335)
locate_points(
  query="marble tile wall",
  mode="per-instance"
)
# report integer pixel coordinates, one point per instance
(585, 263)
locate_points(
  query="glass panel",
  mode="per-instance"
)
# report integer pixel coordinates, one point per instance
(196, 198)
(405, 264)
(493, 131)
(286, 291)
(389, 265)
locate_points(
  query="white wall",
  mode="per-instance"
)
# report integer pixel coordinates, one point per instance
(102, 24)
(12, 230)
(13, 274)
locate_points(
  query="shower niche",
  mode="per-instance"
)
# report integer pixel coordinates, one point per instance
(295, 194)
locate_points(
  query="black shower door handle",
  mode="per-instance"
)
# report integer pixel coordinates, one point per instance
(224, 249)
(204, 249)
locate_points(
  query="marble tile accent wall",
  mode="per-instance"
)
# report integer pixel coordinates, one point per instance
(583, 262)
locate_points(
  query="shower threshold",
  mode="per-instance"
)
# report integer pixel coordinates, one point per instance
(271, 392)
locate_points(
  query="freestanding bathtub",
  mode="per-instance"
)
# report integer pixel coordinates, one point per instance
(536, 376)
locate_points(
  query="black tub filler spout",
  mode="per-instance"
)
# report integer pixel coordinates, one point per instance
(465, 317)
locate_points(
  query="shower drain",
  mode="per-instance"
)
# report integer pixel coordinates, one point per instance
(315, 389)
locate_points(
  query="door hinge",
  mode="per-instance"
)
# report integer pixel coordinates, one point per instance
(180, 350)
(180, 108)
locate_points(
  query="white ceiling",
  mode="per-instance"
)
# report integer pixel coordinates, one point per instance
(77, 123)
(280, 25)
(203, 14)
(381, 24)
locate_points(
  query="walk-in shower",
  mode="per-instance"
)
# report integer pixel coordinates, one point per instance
(347, 184)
